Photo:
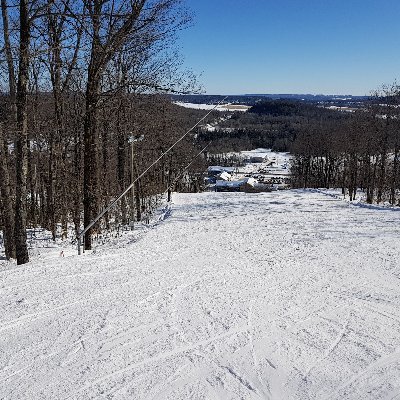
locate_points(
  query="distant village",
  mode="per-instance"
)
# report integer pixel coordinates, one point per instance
(261, 171)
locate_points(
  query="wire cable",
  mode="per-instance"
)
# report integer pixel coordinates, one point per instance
(113, 203)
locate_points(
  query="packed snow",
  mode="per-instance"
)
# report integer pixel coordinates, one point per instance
(282, 295)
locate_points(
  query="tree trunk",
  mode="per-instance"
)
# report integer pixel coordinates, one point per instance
(105, 172)
(382, 177)
(394, 176)
(90, 171)
(21, 143)
(32, 183)
(121, 157)
(5, 191)
(77, 178)
(50, 212)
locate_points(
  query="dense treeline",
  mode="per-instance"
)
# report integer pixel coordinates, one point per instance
(78, 80)
(55, 189)
(271, 124)
(285, 108)
(55, 165)
(352, 148)
(357, 152)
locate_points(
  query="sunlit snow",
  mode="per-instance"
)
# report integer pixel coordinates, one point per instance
(221, 107)
(283, 295)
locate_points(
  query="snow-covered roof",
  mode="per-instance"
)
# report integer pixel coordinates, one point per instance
(250, 181)
(241, 182)
(225, 176)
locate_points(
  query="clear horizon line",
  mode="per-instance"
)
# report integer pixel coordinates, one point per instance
(279, 94)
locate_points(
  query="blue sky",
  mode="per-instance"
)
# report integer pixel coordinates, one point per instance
(293, 46)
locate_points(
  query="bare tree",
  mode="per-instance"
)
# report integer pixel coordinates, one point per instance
(21, 141)
(6, 193)
(76, 71)
(113, 26)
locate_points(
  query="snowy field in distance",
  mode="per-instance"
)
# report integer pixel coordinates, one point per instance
(290, 295)
(222, 107)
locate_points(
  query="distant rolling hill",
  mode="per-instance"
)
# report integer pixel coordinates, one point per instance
(252, 99)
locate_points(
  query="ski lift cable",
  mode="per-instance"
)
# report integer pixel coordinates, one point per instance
(113, 203)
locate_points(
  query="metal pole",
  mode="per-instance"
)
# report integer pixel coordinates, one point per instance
(112, 204)
(133, 187)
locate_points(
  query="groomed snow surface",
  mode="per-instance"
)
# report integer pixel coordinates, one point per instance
(282, 295)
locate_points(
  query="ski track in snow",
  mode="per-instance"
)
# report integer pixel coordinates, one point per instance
(285, 295)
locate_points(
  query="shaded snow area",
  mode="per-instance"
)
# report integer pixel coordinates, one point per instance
(282, 295)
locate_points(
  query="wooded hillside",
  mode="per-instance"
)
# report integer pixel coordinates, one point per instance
(78, 80)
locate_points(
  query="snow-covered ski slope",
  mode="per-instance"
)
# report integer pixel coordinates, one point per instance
(283, 295)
